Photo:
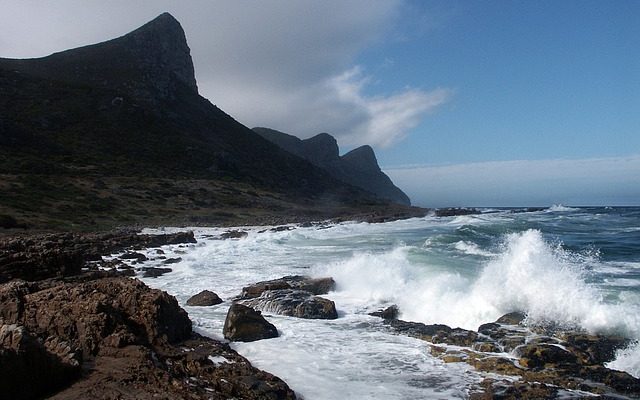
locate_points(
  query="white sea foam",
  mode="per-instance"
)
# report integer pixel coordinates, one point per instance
(628, 360)
(472, 249)
(561, 208)
(373, 268)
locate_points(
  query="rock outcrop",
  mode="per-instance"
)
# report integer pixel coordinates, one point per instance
(244, 324)
(204, 299)
(547, 364)
(294, 296)
(293, 303)
(57, 255)
(359, 167)
(96, 334)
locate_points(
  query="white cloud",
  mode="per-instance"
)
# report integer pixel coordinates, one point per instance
(595, 181)
(281, 64)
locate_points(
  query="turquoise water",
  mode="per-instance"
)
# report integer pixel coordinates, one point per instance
(577, 268)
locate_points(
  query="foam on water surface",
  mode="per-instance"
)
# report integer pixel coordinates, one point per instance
(432, 269)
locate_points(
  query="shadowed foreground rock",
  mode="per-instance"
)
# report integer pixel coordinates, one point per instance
(98, 335)
(244, 324)
(68, 334)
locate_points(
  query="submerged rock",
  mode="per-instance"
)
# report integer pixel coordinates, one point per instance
(244, 324)
(204, 298)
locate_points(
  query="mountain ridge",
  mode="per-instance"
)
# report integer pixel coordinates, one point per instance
(359, 167)
(116, 133)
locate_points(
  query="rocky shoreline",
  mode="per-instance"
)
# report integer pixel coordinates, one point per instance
(75, 325)
(67, 332)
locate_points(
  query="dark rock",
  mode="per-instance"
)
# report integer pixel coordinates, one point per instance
(244, 324)
(543, 355)
(154, 272)
(456, 337)
(30, 369)
(283, 228)
(172, 260)
(594, 349)
(512, 318)
(453, 212)
(390, 312)
(293, 303)
(44, 256)
(204, 298)
(418, 329)
(509, 390)
(134, 256)
(313, 285)
(234, 235)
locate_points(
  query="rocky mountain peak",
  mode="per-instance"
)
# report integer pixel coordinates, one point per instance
(362, 158)
(322, 148)
(161, 47)
(149, 63)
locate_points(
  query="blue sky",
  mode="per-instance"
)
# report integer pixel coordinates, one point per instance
(497, 103)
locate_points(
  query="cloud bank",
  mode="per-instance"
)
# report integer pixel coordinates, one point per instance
(287, 65)
(520, 183)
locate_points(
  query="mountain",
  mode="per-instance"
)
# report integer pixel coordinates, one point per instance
(116, 133)
(359, 167)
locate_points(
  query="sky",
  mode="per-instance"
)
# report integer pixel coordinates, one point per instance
(466, 103)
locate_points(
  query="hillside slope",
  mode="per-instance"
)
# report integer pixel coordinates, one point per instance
(116, 133)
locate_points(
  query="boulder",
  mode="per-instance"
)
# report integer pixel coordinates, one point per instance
(154, 272)
(244, 324)
(293, 303)
(390, 312)
(544, 355)
(594, 349)
(512, 318)
(204, 298)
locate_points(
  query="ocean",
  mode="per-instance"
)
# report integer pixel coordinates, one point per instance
(575, 268)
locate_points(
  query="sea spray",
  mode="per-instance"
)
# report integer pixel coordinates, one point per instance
(582, 271)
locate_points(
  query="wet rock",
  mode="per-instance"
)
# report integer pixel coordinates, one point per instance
(293, 303)
(244, 324)
(154, 272)
(204, 298)
(234, 235)
(418, 330)
(512, 318)
(134, 256)
(456, 337)
(315, 286)
(594, 349)
(390, 312)
(508, 390)
(543, 355)
(174, 260)
(487, 347)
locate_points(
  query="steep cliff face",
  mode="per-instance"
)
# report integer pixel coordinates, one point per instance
(148, 63)
(358, 167)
